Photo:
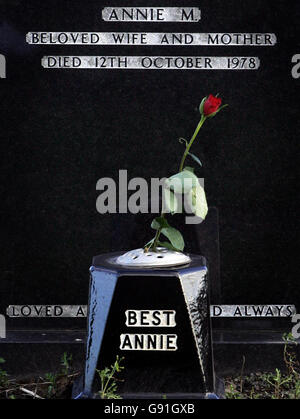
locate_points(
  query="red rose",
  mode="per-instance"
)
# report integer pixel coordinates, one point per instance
(211, 105)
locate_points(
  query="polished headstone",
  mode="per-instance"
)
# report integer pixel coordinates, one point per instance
(158, 320)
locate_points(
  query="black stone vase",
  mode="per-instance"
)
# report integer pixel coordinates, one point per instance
(157, 318)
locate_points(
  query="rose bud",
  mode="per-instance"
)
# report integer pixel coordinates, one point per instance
(210, 106)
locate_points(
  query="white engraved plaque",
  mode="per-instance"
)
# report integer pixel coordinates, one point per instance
(148, 342)
(151, 14)
(150, 318)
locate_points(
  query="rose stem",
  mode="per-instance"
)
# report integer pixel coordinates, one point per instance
(201, 122)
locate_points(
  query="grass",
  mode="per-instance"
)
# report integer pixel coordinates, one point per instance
(272, 385)
(59, 385)
(50, 386)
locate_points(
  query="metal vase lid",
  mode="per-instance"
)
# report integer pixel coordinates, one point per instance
(161, 258)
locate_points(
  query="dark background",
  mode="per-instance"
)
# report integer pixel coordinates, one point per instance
(62, 130)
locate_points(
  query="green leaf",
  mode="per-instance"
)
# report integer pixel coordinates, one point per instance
(171, 233)
(196, 200)
(170, 202)
(182, 182)
(159, 222)
(202, 105)
(197, 160)
(168, 245)
(174, 236)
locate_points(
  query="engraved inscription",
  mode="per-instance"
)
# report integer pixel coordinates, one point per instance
(151, 14)
(151, 62)
(150, 318)
(147, 342)
(151, 38)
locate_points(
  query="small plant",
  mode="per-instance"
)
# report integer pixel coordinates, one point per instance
(291, 362)
(108, 380)
(297, 389)
(66, 363)
(232, 393)
(289, 357)
(253, 395)
(62, 375)
(277, 381)
(52, 378)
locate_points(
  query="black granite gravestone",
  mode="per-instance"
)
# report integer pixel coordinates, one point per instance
(80, 126)
(158, 320)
